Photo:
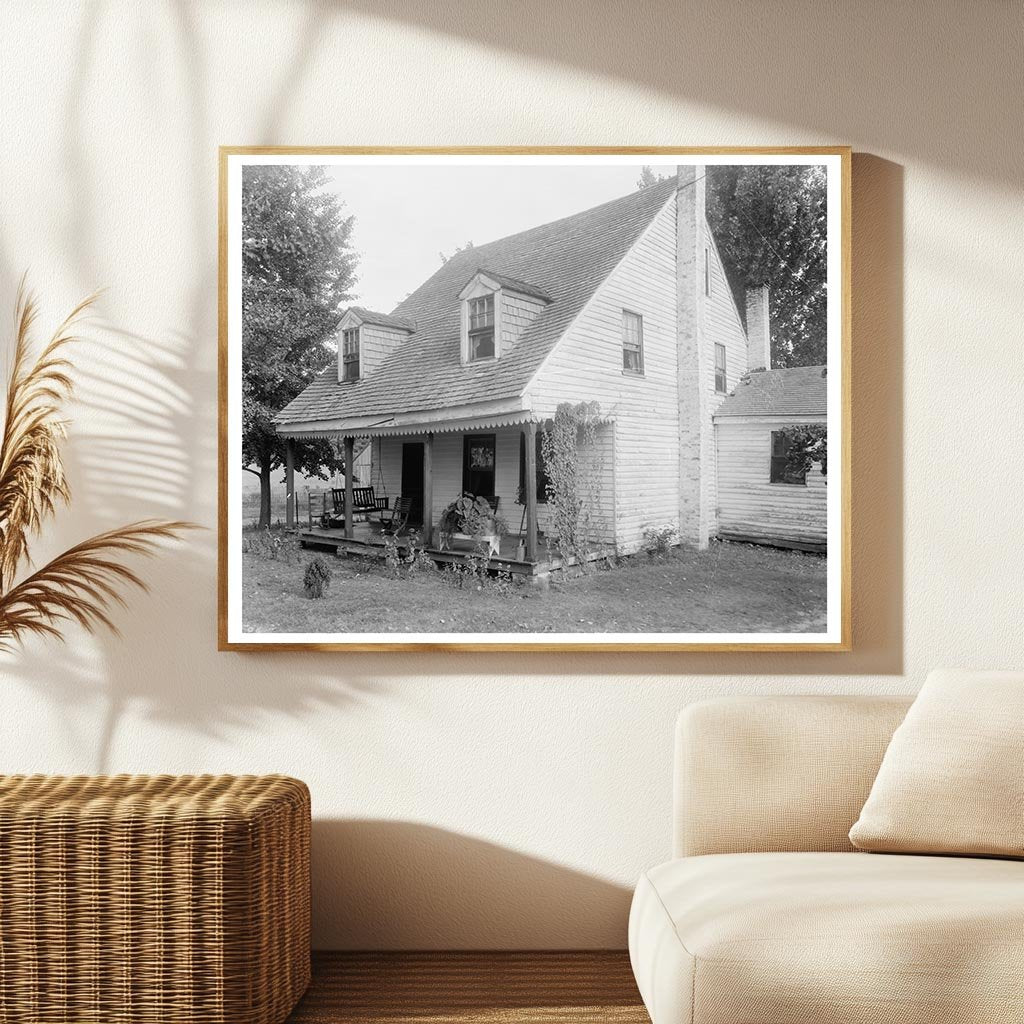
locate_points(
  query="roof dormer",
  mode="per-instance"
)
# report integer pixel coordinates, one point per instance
(366, 339)
(495, 311)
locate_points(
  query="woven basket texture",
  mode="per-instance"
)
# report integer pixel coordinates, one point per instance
(165, 899)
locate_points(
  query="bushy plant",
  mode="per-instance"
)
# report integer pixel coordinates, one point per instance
(658, 540)
(266, 543)
(317, 577)
(573, 461)
(471, 515)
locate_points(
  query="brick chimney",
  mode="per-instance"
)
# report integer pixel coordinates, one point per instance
(695, 362)
(759, 330)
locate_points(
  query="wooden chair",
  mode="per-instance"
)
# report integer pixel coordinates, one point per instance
(392, 520)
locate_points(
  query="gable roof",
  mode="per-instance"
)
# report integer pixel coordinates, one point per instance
(369, 316)
(504, 281)
(568, 259)
(793, 391)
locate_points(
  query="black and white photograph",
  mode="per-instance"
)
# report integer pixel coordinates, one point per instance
(548, 399)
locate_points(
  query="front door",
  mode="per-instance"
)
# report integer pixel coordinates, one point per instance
(412, 480)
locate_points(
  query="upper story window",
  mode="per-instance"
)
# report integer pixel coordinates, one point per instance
(721, 379)
(782, 472)
(707, 270)
(481, 328)
(350, 354)
(632, 342)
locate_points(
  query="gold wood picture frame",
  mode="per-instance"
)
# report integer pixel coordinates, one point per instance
(534, 399)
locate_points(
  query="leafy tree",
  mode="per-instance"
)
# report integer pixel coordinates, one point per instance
(769, 222)
(770, 225)
(458, 249)
(808, 444)
(297, 270)
(649, 177)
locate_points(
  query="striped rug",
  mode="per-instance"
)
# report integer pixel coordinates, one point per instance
(471, 988)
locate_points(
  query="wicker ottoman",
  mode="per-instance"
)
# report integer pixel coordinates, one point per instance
(171, 900)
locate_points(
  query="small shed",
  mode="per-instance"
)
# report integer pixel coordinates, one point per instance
(760, 498)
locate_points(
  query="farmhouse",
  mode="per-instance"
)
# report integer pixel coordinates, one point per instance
(625, 305)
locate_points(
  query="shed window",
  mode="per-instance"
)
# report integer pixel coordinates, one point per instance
(632, 342)
(481, 327)
(782, 472)
(721, 381)
(350, 354)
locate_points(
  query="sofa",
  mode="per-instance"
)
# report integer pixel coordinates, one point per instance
(768, 914)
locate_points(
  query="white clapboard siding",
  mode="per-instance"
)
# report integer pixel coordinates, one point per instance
(587, 366)
(749, 505)
(376, 343)
(517, 312)
(722, 326)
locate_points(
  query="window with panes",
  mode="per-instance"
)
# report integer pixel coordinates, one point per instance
(481, 327)
(632, 342)
(350, 354)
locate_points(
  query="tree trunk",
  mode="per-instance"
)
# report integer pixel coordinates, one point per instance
(265, 494)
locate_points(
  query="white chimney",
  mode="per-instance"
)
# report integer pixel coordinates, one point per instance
(759, 330)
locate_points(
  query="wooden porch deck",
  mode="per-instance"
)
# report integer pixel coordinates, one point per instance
(368, 541)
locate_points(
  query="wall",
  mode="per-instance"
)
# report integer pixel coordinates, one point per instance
(493, 800)
(749, 504)
(586, 365)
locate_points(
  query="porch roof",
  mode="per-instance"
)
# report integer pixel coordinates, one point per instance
(567, 260)
(408, 424)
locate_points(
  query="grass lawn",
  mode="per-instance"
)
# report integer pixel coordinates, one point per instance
(729, 588)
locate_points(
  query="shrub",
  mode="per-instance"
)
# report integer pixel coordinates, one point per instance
(317, 577)
(658, 540)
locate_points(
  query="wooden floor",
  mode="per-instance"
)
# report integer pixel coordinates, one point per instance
(471, 988)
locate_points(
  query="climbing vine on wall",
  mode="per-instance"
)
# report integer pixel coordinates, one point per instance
(573, 461)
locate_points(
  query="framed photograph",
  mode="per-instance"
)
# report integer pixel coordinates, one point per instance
(535, 399)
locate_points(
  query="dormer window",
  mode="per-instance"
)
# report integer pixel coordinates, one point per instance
(495, 311)
(350, 354)
(481, 327)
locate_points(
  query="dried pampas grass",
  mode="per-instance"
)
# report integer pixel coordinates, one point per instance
(84, 583)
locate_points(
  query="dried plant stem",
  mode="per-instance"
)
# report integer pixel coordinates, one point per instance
(84, 582)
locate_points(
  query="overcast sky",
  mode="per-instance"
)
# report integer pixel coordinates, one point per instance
(406, 215)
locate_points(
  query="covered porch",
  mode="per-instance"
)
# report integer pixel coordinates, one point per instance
(428, 464)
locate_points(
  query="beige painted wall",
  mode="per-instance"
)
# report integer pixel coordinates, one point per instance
(490, 800)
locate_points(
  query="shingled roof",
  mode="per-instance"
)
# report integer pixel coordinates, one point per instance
(566, 259)
(793, 391)
(370, 316)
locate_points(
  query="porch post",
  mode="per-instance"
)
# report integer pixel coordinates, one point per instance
(428, 490)
(289, 483)
(349, 501)
(530, 440)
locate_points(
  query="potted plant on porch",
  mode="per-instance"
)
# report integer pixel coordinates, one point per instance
(472, 517)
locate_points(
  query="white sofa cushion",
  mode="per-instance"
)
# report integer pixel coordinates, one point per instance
(830, 938)
(952, 779)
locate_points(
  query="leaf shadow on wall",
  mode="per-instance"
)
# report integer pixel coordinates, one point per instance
(153, 451)
(939, 88)
(146, 445)
(405, 885)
